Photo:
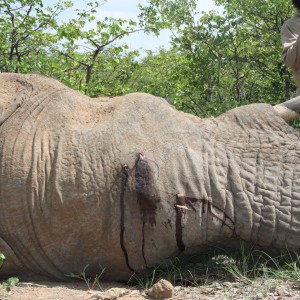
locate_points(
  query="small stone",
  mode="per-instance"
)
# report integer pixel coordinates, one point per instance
(227, 284)
(273, 289)
(217, 286)
(286, 293)
(103, 296)
(259, 296)
(111, 294)
(209, 291)
(161, 289)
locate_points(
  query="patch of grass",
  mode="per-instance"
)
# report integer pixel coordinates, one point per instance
(91, 281)
(243, 265)
(169, 270)
(295, 123)
(246, 263)
(183, 271)
(285, 267)
(10, 282)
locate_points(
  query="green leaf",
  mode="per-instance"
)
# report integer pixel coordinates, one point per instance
(2, 258)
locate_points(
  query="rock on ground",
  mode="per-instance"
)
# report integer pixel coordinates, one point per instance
(161, 290)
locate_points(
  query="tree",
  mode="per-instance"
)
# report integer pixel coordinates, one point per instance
(26, 27)
(263, 20)
(231, 58)
(34, 39)
(87, 47)
(162, 74)
(217, 60)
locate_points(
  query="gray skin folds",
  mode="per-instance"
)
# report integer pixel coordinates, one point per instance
(124, 183)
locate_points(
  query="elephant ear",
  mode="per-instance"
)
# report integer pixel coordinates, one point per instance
(12, 93)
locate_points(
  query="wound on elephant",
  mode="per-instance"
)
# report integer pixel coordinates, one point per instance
(184, 204)
(179, 207)
(145, 196)
(213, 211)
(145, 192)
(124, 181)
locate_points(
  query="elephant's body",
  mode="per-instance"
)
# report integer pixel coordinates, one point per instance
(126, 182)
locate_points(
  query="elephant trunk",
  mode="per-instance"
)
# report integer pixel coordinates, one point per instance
(261, 187)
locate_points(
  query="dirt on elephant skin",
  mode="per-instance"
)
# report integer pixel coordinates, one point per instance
(261, 289)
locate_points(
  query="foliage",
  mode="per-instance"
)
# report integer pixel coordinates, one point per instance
(230, 59)
(77, 34)
(26, 27)
(216, 61)
(35, 39)
(2, 258)
(10, 282)
(163, 75)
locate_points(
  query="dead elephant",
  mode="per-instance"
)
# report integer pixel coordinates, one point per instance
(127, 182)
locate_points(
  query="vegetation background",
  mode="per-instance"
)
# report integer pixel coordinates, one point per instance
(215, 60)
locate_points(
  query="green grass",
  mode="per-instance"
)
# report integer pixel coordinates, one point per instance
(295, 123)
(9, 283)
(243, 265)
(91, 282)
(286, 267)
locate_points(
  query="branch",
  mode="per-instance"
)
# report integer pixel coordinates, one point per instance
(26, 16)
(100, 47)
(72, 58)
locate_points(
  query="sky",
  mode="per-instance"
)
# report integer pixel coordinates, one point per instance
(128, 9)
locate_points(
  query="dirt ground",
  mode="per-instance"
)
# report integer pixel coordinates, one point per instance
(262, 289)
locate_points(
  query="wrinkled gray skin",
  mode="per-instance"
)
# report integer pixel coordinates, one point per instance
(124, 183)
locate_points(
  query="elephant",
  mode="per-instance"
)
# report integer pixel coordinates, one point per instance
(123, 183)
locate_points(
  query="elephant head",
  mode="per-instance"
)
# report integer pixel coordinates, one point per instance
(126, 182)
